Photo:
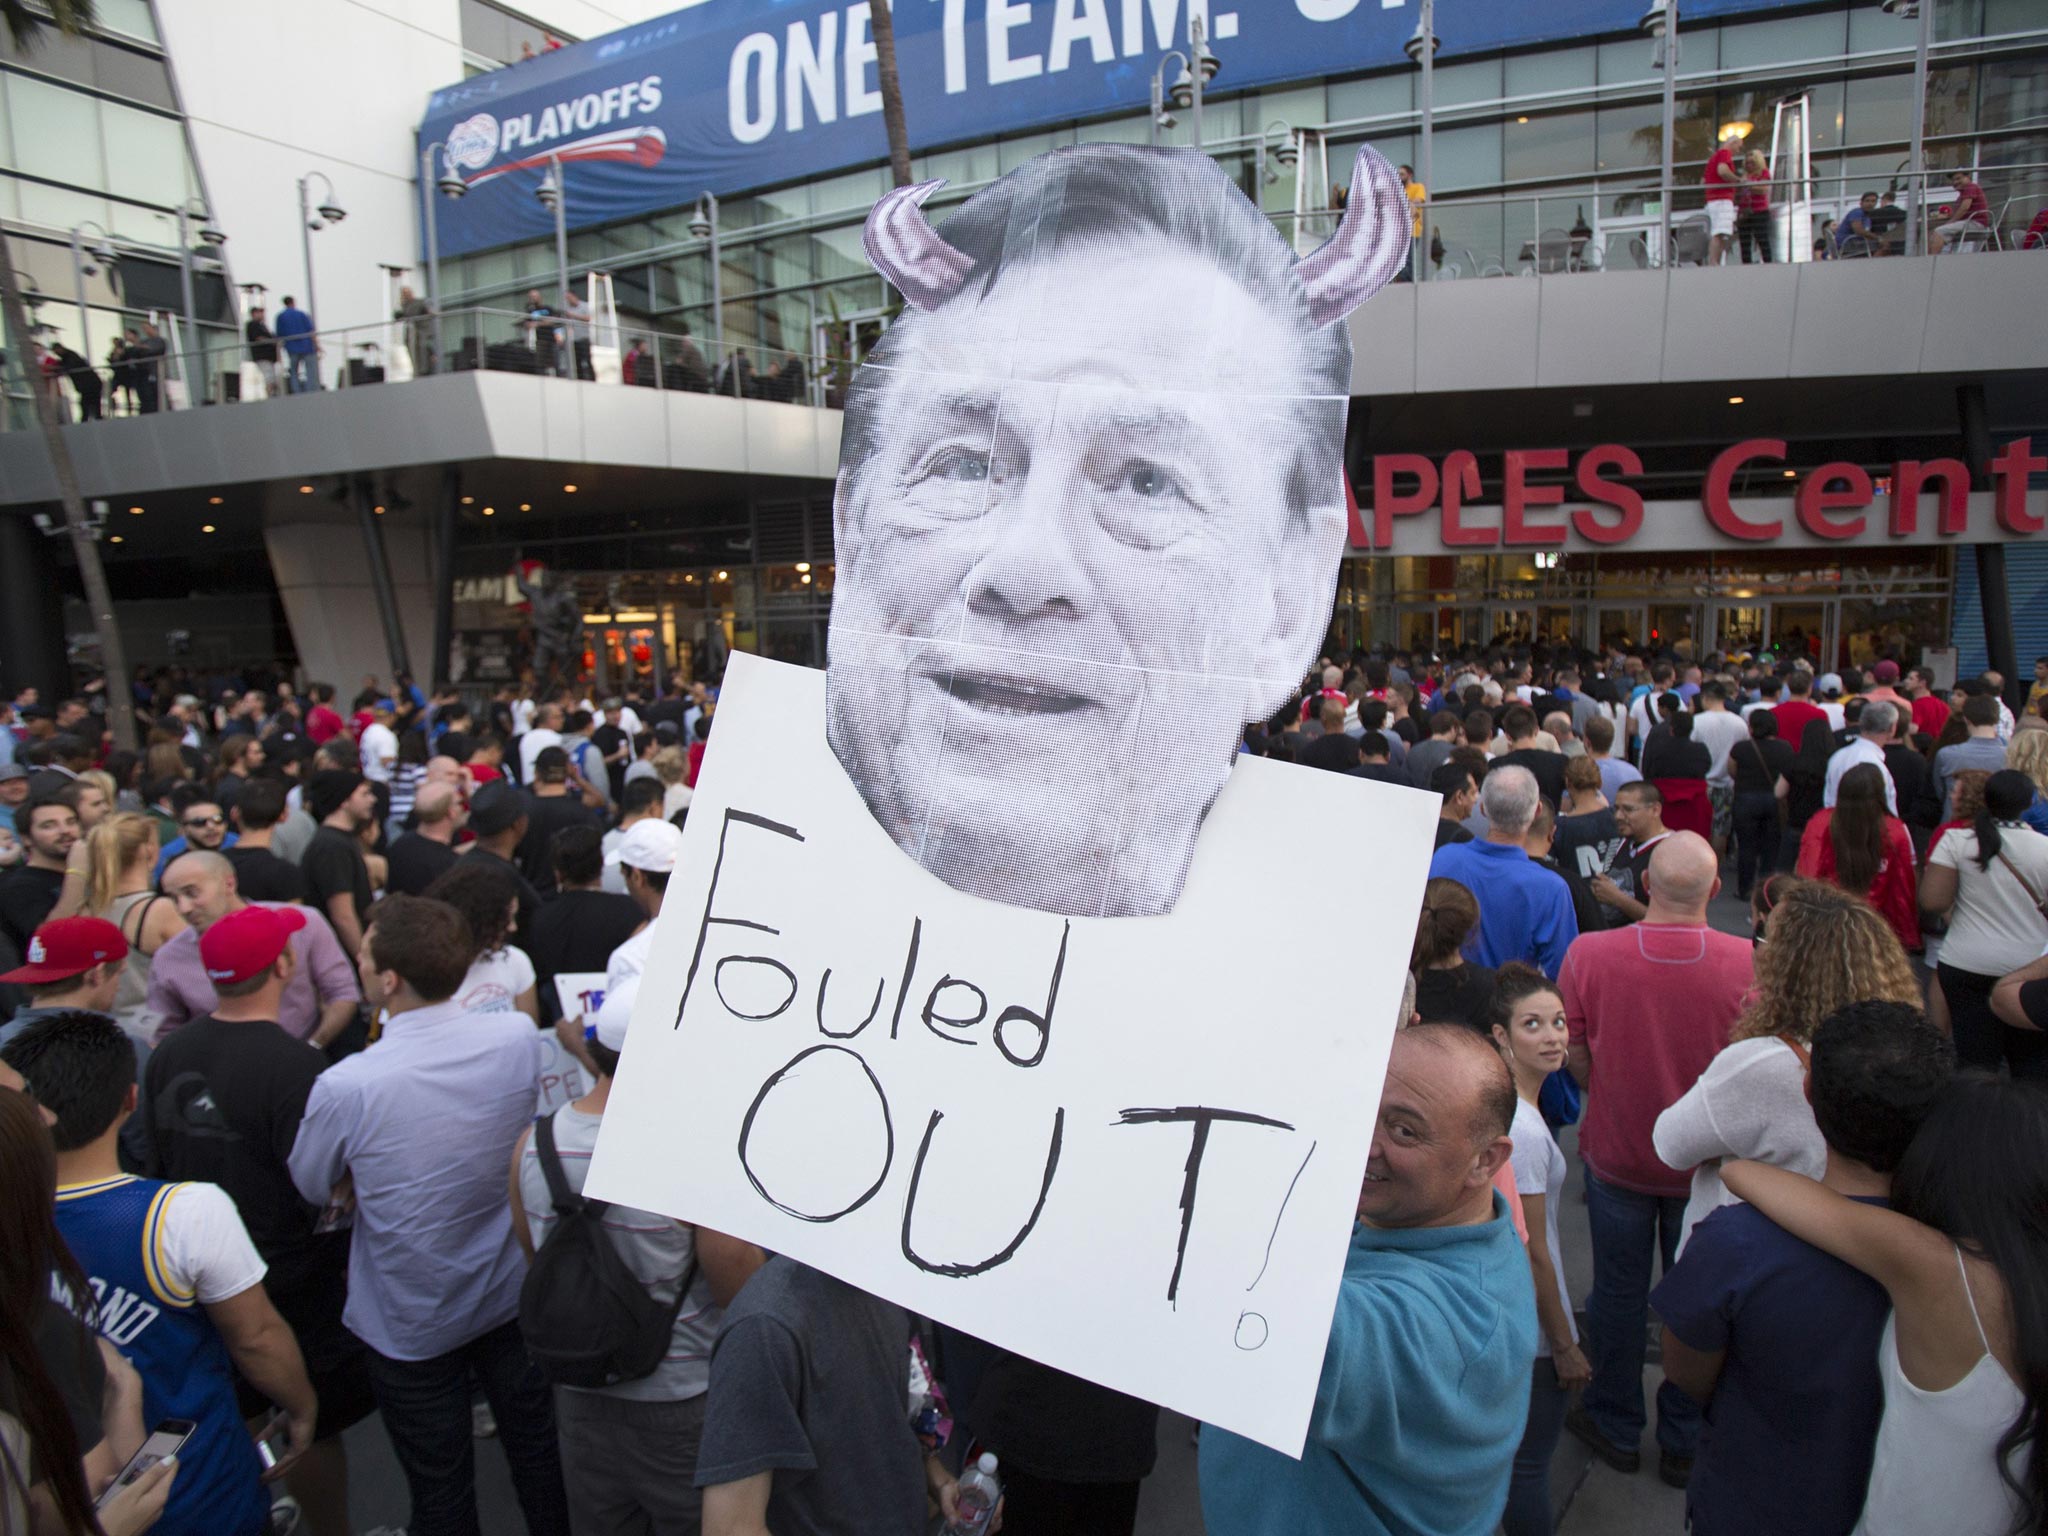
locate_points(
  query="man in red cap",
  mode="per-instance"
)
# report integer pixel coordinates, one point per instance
(1884, 679)
(221, 1104)
(73, 963)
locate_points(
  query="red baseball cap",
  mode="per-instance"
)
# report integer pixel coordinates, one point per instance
(248, 942)
(67, 947)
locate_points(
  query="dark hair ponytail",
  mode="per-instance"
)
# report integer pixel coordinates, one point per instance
(2007, 796)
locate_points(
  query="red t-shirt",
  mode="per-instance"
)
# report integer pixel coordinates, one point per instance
(1794, 715)
(1720, 175)
(1654, 1003)
(1970, 205)
(1896, 891)
(1930, 714)
(322, 724)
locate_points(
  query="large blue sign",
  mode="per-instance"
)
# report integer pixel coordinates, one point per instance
(734, 95)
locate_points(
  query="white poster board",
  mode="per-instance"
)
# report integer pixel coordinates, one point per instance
(1128, 1148)
(579, 994)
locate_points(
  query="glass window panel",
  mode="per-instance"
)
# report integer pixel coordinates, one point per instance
(2003, 16)
(1457, 85)
(959, 167)
(129, 18)
(1297, 109)
(838, 253)
(58, 208)
(145, 154)
(1011, 153)
(66, 58)
(857, 189)
(1560, 69)
(138, 76)
(786, 263)
(1879, 110)
(1373, 96)
(56, 133)
(1471, 235)
(1547, 144)
(1465, 157)
(1761, 44)
(1629, 137)
(1873, 29)
(1626, 62)
(146, 225)
(1114, 130)
(6, 133)
(1693, 134)
(1951, 100)
(785, 203)
(492, 272)
(1957, 19)
(2015, 91)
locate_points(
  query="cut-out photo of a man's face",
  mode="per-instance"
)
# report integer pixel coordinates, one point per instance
(1089, 514)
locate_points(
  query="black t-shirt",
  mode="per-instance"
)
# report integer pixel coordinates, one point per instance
(2034, 1002)
(577, 931)
(1332, 750)
(1671, 756)
(545, 816)
(26, 896)
(1756, 766)
(1460, 996)
(1913, 783)
(222, 1103)
(72, 1359)
(1629, 869)
(261, 875)
(416, 863)
(1582, 846)
(333, 865)
(1448, 832)
(1548, 767)
(608, 739)
(1381, 771)
(1062, 1428)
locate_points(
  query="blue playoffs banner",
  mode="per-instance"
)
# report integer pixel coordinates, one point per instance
(735, 95)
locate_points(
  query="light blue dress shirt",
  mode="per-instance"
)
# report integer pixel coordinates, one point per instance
(425, 1120)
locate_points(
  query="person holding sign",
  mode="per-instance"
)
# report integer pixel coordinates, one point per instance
(1425, 1381)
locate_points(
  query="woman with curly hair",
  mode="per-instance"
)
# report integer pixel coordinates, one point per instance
(501, 977)
(1867, 851)
(1822, 948)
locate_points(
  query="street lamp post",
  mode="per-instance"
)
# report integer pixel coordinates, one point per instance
(553, 193)
(1421, 48)
(1198, 67)
(1285, 155)
(216, 239)
(704, 225)
(311, 219)
(1661, 22)
(450, 186)
(81, 269)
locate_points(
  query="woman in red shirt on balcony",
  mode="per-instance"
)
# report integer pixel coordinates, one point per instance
(1866, 850)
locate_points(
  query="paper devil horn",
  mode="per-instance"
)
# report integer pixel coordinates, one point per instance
(905, 248)
(1368, 248)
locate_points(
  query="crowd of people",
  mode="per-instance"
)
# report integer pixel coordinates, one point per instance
(317, 1012)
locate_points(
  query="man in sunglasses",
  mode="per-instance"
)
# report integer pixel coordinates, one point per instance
(202, 828)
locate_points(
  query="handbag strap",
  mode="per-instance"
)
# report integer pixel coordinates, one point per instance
(566, 1201)
(2013, 870)
(1805, 1056)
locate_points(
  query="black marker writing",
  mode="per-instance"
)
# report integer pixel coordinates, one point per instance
(1202, 1119)
(1009, 1249)
(705, 923)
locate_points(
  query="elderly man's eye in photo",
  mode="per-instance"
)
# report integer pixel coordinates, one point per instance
(1141, 523)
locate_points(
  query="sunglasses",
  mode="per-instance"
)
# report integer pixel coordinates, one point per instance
(203, 821)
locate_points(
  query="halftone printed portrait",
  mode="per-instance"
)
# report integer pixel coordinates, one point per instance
(1089, 513)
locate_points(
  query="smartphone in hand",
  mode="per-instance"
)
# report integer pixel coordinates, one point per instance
(163, 1442)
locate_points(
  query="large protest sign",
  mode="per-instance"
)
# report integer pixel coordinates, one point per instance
(980, 982)
(1129, 1148)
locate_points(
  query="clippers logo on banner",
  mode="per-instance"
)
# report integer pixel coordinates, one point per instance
(729, 96)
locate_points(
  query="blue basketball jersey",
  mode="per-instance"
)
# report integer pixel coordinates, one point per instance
(115, 1230)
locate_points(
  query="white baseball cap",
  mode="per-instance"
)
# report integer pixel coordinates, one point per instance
(653, 845)
(615, 1013)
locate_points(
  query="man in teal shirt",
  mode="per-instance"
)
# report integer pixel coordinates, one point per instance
(1426, 1377)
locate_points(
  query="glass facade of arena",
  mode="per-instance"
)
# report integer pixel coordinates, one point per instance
(1522, 143)
(1842, 608)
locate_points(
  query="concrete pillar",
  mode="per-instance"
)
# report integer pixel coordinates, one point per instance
(318, 559)
(31, 610)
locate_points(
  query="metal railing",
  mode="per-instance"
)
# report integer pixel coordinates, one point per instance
(1612, 228)
(157, 377)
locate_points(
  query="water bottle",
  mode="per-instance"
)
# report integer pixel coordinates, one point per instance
(979, 1491)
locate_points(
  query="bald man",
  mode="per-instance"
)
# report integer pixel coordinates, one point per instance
(1425, 1380)
(320, 1000)
(423, 855)
(1649, 1006)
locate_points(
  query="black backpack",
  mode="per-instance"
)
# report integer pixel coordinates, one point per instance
(587, 1319)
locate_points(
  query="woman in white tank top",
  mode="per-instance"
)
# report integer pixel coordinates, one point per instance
(1963, 1253)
